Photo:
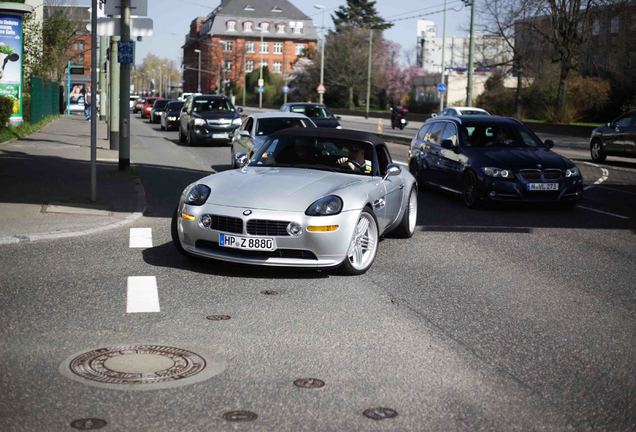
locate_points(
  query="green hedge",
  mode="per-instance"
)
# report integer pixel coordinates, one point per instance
(6, 109)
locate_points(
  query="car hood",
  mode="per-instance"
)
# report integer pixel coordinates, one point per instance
(518, 158)
(209, 115)
(326, 122)
(283, 189)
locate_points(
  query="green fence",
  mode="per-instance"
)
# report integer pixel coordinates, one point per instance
(45, 99)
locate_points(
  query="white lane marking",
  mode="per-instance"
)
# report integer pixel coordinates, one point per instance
(142, 294)
(603, 212)
(140, 238)
(604, 175)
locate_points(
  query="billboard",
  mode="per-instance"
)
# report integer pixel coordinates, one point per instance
(11, 62)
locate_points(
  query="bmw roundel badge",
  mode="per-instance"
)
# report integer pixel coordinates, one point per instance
(247, 212)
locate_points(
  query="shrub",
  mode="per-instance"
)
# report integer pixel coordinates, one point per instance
(6, 109)
(26, 106)
(587, 97)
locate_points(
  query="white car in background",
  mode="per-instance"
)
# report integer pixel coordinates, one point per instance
(461, 111)
(133, 99)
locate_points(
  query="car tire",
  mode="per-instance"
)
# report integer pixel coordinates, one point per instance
(407, 225)
(596, 151)
(175, 233)
(359, 259)
(470, 190)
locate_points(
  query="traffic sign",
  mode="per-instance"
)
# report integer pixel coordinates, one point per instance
(260, 89)
(137, 7)
(126, 52)
(112, 26)
(441, 88)
(320, 89)
(285, 89)
(261, 82)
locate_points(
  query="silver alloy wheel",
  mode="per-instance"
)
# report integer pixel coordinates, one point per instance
(364, 242)
(596, 150)
(412, 210)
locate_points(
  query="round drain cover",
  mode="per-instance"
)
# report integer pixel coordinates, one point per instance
(141, 367)
(309, 383)
(88, 424)
(380, 413)
(239, 416)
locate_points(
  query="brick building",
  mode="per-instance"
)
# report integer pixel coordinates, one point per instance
(229, 40)
(79, 52)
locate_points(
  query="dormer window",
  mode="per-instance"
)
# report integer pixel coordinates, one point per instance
(248, 8)
(231, 25)
(276, 9)
(280, 28)
(264, 27)
(248, 26)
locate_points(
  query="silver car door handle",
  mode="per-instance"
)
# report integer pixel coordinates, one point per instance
(379, 203)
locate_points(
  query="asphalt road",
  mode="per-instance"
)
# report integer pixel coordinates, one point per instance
(502, 319)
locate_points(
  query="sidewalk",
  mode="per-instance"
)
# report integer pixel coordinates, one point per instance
(46, 185)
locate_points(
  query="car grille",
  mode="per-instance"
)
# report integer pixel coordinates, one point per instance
(227, 224)
(267, 227)
(278, 253)
(538, 175)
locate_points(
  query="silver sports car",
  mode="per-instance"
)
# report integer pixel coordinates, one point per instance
(307, 198)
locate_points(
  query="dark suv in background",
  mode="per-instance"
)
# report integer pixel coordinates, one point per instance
(210, 118)
(618, 138)
(318, 113)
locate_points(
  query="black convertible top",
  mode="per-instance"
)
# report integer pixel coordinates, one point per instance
(333, 133)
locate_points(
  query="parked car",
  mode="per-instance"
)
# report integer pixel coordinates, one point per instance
(618, 138)
(157, 109)
(133, 100)
(147, 108)
(256, 128)
(208, 118)
(462, 111)
(170, 117)
(139, 104)
(490, 158)
(318, 113)
(298, 203)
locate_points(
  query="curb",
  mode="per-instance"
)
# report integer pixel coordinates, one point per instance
(139, 211)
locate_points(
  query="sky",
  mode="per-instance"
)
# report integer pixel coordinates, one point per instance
(172, 21)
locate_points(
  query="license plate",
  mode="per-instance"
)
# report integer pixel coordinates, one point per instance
(543, 186)
(247, 243)
(219, 135)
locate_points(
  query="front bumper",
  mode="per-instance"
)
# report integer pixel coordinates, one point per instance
(310, 249)
(516, 190)
(215, 133)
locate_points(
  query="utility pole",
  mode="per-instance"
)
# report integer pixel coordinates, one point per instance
(198, 51)
(322, 51)
(441, 95)
(260, 80)
(369, 72)
(113, 116)
(471, 55)
(93, 101)
(124, 92)
(103, 85)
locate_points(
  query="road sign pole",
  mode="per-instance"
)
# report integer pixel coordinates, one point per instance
(124, 92)
(103, 100)
(113, 116)
(369, 72)
(93, 105)
(442, 80)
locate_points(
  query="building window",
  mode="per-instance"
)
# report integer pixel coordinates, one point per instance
(227, 65)
(596, 27)
(614, 24)
(297, 26)
(278, 48)
(264, 47)
(248, 26)
(248, 8)
(264, 64)
(227, 46)
(264, 27)
(250, 47)
(299, 49)
(231, 25)
(280, 28)
(276, 9)
(249, 66)
(277, 66)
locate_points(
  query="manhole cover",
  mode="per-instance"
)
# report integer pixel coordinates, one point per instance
(88, 424)
(309, 383)
(380, 413)
(239, 416)
(141, 367)
(269, 292)
(218, 317)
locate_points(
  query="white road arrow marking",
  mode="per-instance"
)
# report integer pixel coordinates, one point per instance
(142, 294)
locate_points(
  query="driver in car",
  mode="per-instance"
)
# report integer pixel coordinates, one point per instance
(355, 161)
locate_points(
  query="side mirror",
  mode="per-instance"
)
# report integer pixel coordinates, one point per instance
(244, 133)
(392, 170)
(448, 144)
(239, 109)
(549, 144)
(241, 159)
(338, 118)
(433, 115)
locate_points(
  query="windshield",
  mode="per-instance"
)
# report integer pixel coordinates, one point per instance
(174, 106)
(340, 155)
(497, 135)
(312, 111)
(268, 126)
(473, 112)
(161, 103)
(212, 105)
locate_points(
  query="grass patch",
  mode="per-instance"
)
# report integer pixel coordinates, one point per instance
(534, 121)
(24, 130)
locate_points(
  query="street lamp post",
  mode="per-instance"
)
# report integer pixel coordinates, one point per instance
(260, 80)
(322, 49)
(441, 95)
(198, 51)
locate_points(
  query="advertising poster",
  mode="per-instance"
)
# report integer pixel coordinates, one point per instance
(11, 61)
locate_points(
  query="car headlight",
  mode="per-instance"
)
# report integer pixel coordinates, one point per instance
(572, 172)
(172, 118)
(498, 172)
(200, 122)
(236, 121)
(326, 206)
(198, 195)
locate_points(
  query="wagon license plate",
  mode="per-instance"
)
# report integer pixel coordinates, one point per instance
(543, 186)
(247, 243)
(222, 135)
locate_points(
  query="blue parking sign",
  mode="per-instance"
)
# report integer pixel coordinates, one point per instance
(260, 89)
(126, 52)
(441, 88)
